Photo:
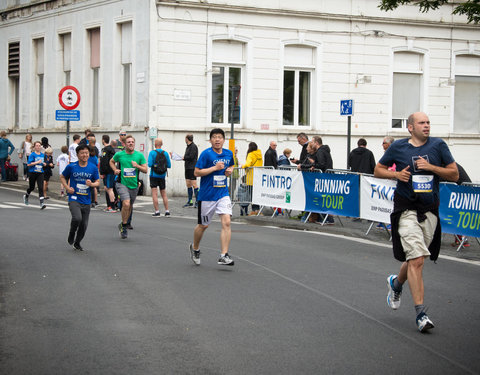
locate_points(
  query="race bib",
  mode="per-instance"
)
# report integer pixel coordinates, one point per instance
(422, 183)
(219, 181)
(81, 189)
(38, 168)
(129, 172)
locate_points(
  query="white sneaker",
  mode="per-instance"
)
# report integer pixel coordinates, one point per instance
(424, 323)
(195, 255)
(226, 260)
(393, 297)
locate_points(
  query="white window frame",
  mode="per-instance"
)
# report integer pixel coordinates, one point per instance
(296, 97)
(424, 79)
(226, 94)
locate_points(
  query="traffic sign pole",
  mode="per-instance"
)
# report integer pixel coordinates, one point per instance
(68, 133)
(346, 109)
(349, 134)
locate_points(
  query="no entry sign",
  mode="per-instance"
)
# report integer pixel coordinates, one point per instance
(69, 97)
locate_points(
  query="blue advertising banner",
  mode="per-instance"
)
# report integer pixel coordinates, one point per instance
(335, 194)
(460, 209)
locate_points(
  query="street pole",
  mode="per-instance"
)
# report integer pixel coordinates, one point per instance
(68, 134)
(349, 133)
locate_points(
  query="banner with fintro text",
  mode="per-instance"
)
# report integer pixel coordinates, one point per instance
(376, 198)
(460, 209)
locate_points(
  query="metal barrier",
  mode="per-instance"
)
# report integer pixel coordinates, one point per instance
(241, 187)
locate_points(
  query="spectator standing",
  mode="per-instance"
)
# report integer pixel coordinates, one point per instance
(190, 157)
(323, 158)
(387, 141)
(416, 231)
(84, 140)
(62, 162)
(254, 159)
(24, 152)
(302, 139)
(47, 169)
(284, 158)
(72, 149)
(6, 149)
(131, 162)
(361, 159)
(106, 173)
(271, 158)
(45, 143)
(159, 162)
(36, 162)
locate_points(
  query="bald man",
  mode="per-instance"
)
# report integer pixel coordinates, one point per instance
(158, 162)
(421, 162)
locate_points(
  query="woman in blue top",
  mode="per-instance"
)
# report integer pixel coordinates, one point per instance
(36, 162)
(6, 149)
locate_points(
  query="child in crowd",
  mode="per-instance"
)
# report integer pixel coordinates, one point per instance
(62, 162)
(47, 170)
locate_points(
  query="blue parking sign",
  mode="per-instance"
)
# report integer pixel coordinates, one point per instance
(346, 107)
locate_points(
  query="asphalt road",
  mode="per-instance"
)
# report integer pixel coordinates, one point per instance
(294, 303)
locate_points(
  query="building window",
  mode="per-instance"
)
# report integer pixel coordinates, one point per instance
(299, 66)
(226, 82)
(296, 97)
(95, 66)
(467, 94)
(39, 62)
(14, 77)
(228, 63)
(66, 45)
(126, 61)
(407, 87)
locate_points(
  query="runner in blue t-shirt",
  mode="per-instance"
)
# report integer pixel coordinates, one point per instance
(416, 234)
(214, 166)
(83, 176)
(35, 163)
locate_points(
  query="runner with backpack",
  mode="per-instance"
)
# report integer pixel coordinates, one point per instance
(107, 173)
(159, 162)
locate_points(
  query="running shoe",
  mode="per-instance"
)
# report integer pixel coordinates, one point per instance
(109, 209)
(156, 214)
(76, 246)
(129, 226)
(393, 297)
(188, 204)
(42, 205)
(195, 205)
(424, 323)
(71, 238)
(122, 231)
(25, 199)
(195, 255)
(225, 260)
(167, 214)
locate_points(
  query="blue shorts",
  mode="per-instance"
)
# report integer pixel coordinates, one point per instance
(109, 181)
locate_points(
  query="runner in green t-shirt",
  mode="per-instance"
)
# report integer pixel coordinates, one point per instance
(131, 162)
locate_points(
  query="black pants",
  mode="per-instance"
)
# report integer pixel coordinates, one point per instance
(38, 178)
(80, 213)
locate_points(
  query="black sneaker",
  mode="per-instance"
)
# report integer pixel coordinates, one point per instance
(188, 204)
(167, 214)
(42, 205)
(156, 214)
(225, 260)
(71, 238)
(76, 246)
(129, 226)
(195, 255)
(122, 231)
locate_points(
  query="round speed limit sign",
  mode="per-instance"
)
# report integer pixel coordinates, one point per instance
(69, 97)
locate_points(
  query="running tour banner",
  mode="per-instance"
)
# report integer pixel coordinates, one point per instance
(376, 198)
(460, 209)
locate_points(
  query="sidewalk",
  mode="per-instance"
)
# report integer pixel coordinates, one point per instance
(349, 228)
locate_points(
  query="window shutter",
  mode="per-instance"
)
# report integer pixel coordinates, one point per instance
(14, 59)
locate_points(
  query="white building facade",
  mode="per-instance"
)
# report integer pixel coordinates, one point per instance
(176, 65)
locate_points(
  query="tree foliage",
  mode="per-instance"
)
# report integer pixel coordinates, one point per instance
(469, 8)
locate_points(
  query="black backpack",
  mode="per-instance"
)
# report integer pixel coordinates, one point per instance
(107, 154)
(160, 166)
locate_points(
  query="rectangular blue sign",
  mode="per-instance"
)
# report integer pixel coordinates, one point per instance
(346, 107)
(334, 194)
(460, 209)
(64, 115)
